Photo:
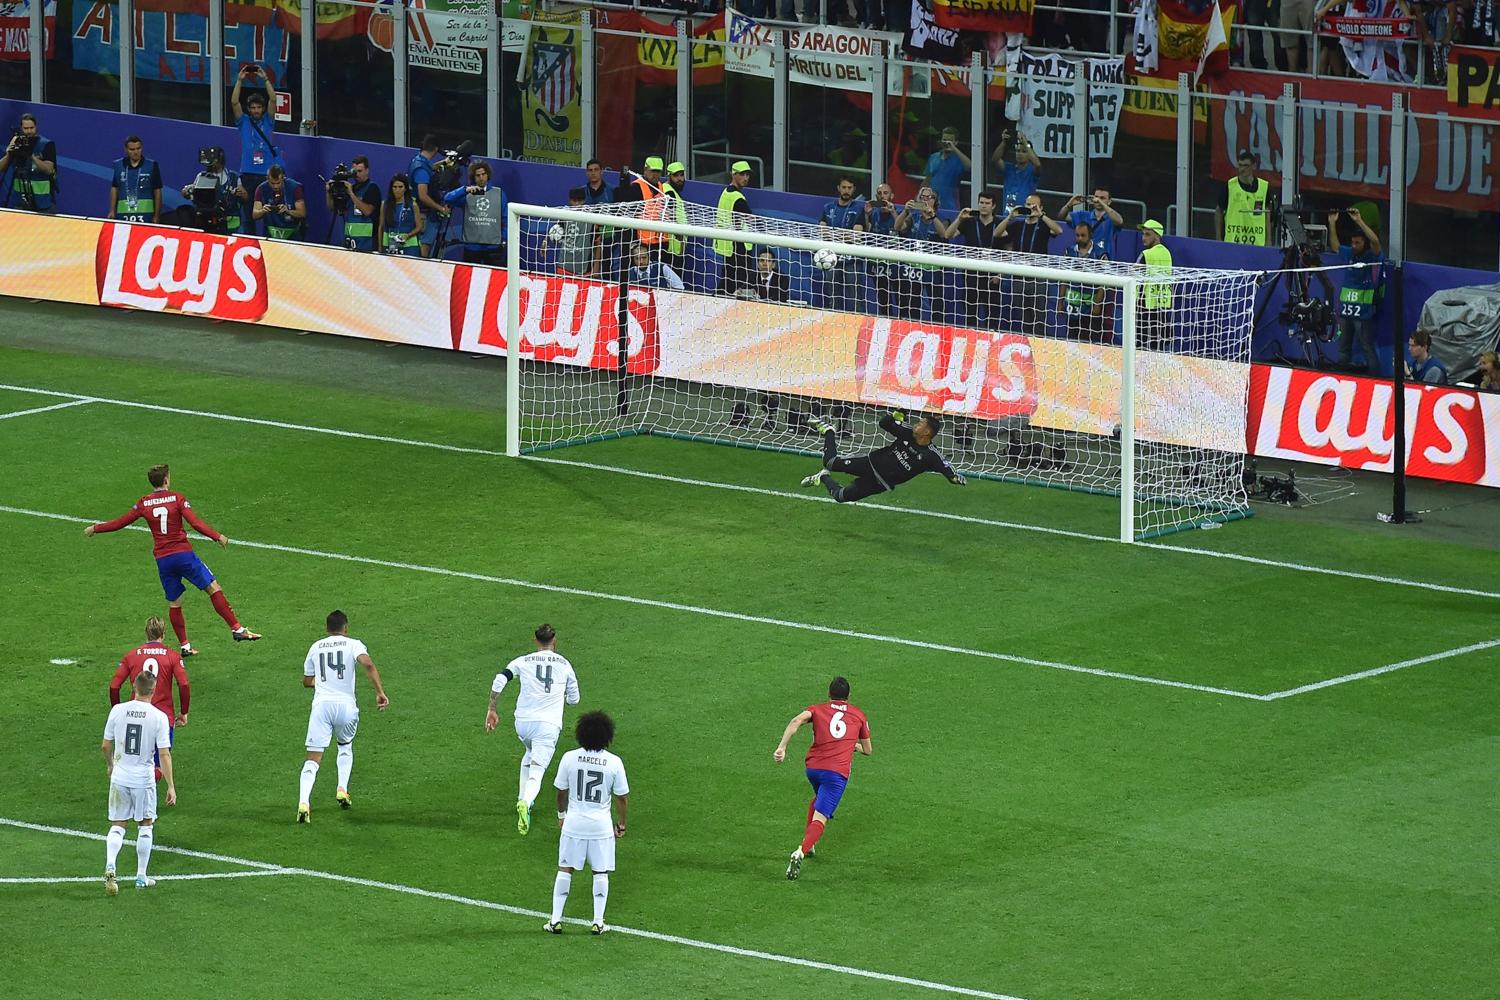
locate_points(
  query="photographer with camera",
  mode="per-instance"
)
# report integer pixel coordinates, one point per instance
(880, 217)
(1019, 165)
(354, 202)
(420, 173)
(1096, 210)
(279, 201)
(135, 186)
(214, 197)
(401, 220)
(31, 160)
(1030, 227)
(946, 170)
(484, 216)
(1357, 296)
(257, 152)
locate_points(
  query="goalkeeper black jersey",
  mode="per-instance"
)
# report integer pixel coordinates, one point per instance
(903, 459)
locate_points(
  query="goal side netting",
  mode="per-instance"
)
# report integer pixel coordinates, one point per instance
(1074, 373)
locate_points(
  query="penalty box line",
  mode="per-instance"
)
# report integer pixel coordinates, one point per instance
(195, 877)
(266, 868)
(692, 609)
(762, 491)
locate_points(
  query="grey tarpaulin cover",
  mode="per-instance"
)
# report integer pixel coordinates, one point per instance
(1464, 322)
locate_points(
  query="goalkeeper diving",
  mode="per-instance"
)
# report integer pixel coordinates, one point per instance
(883, 469)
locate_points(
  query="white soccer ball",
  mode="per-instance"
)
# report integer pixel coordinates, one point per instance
(555, 234)
(825, 260)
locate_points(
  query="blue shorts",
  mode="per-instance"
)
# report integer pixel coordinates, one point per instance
(181, 566)
(157, 753)
(828, 788)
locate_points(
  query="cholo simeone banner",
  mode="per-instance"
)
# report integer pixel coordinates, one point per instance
(794, 350)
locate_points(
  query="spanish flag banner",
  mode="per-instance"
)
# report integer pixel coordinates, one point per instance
(1183, 36)
(984, 15)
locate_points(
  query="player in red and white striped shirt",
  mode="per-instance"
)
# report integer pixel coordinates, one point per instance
(838, 730)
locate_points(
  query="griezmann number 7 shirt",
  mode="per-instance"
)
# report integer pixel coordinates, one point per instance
(837, 726)
(164, 511)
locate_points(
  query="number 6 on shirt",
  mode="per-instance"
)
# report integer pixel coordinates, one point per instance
(837, 727)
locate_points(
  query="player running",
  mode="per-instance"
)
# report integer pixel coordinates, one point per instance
(166, 666)
(587, 780)
(910, 455)
(133, 732)
(547, 679)
(164, 510)
(838, 730)
(329, 671)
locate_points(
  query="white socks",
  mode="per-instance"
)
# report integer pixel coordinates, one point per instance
(560, 894)
(525, 778)
(531, 781)
(146, 836)
(112, 845)
(309, 775)
(601, 896)
(345, 765)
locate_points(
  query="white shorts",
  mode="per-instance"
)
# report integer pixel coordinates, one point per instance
(331, 720)
(135, 804)
(540, 740)
(596, 854)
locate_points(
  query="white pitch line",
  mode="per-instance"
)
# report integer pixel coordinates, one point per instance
(45, 409)
(690, 609)
(1417, 661)
(66, 880)
(1086, 536)
(257, 421)
(448, 897)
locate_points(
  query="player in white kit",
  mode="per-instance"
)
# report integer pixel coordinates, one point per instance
(135, 732)
(329, 671)
(587, 780)
(547, 680)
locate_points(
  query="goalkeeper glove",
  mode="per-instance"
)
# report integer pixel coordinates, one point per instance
(898, 416)
(959, 480)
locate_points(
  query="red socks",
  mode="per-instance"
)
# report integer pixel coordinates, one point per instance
(811, 808)
(221, 605)
(179, 625)
(814, 831)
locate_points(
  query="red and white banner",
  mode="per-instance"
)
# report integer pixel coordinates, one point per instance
(15, 29)
(1358, 28)
(1452, 433)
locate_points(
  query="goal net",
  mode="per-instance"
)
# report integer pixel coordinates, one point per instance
(1066, 372)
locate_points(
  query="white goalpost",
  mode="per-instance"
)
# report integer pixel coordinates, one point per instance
(1071, 373)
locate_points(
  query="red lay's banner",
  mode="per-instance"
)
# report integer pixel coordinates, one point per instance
(1344, 140)
(984, 15)
(1452, 434)
(147, 267)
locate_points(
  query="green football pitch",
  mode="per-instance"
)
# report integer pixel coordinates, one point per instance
(1248, 763)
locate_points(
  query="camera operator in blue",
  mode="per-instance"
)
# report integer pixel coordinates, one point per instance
(135, 187)
(258, 154)
(419, 172)
(31, 160)
(484, 216)
(401, 220)
(228, 194)
(1356, 309)
(279, 200)
(355, 202)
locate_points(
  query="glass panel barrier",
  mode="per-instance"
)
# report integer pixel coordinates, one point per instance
(15, 47)
(171, 61)
(447, 52)
(1452, 194)
(355, 86)
(86, 70)
(830, 135)
(922, 99)
(732, 115)
(1222, 126)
